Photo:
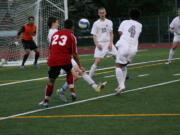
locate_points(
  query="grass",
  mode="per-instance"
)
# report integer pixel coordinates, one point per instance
(24, 97)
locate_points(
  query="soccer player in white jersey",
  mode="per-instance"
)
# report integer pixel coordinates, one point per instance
(127, 46)
(53, 27)
(174, 28)
(102, 32)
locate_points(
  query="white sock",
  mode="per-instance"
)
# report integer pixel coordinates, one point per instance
(120, 78)
(92, 70)
(89, 80)
(171, 53)
(124, 70)
(64, 87)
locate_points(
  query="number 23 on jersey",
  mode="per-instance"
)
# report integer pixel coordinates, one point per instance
(62, 40)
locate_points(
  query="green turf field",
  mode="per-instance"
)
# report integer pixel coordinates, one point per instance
(150, 105)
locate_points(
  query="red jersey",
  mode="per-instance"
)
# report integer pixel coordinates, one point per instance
(63, 44)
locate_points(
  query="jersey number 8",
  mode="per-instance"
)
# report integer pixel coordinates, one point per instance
(62, 42)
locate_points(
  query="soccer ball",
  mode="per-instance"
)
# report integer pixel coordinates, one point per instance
(83, 23)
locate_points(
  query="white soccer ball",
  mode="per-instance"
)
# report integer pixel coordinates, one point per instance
(83, 23)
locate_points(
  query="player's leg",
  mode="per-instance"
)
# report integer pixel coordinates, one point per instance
(94, 66)
(27, 52)
(171, 52)
(34, 48)
(98, 55)
(53, 74)
(70, 80)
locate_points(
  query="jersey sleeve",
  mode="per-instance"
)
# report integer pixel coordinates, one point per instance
(94, 29)
(172, 24)
(74, 44)
(121, 27)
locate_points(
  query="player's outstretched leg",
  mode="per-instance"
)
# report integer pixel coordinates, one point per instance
(61, 92)
(171, 53)
(91, 82)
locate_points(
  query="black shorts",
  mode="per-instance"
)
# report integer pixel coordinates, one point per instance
(29, 44)
(55, 71)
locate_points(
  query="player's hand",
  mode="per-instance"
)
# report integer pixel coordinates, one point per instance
(99, 46)
(82, 68)
(34, 38)
(110, 47)
(16, 42)
(171, 30)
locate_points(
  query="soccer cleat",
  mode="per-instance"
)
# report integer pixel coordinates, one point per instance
(22, 68)
(101, 86)
(73, 96)
(61, 95)
(118, 90)
(42, 103)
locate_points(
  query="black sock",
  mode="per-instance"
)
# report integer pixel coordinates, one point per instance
(36, 58)
(25, 58)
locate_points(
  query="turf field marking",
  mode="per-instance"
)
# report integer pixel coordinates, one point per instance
(95, 115)
(178, 74)
(143, 75)
(140, 63)
(90, 99)
(109, 76)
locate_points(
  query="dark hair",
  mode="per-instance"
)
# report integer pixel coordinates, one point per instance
(31, 17)
(51, 20)
(134, 14)
(68, 24)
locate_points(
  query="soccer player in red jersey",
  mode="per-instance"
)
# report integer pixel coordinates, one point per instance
(63, 45)
(29, 32)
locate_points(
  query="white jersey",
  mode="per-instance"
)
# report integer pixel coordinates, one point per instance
(51, 32)
(131, 30)
(102, 30)
(175, 24)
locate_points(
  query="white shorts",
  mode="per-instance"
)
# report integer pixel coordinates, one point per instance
(105, 51)
(125, 54)
(176, 39)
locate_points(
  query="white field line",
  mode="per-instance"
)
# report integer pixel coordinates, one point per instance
(143, 75)
(90, 99)
(109, 76)
(178, 74)
(30, 80)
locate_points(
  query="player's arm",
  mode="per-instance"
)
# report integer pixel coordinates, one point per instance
(96, 42)
(18, 35)
(111, 40)
(171, 30)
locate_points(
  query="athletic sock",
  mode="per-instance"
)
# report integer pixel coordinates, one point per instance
(92, 70)
(120, 77)
(36, 58)
(89, 80)
(64, 87)
(49, 90)
(171, 53)
(70, 82)
(124, 70)
(24, 59)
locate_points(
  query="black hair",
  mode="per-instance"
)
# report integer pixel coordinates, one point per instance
(68, 24)
(134, 14)
(51, 20)
(31, 17)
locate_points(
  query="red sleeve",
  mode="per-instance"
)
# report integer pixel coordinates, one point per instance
(74, 44)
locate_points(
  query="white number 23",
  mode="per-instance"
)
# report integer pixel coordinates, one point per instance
(62, 42)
